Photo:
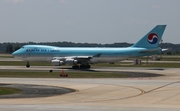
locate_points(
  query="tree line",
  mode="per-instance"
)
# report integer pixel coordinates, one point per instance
(8, 47)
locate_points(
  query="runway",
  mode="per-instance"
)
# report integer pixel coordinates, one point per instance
(160, 93)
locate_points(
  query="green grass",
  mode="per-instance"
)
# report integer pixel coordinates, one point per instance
(118, 64)
(165, 59)
(126, 64)
(165, 65)
(171, 59)
(75, 74)
(23, 63)
(6, 57)
(6, 91)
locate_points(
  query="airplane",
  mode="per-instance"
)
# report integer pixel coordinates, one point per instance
(83, 57)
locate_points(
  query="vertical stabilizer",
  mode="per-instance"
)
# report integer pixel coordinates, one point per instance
(151, 39)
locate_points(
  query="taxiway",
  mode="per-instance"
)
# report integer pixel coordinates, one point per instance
(160, 93)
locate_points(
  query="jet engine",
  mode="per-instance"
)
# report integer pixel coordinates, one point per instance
(71, 61)
(57, 62)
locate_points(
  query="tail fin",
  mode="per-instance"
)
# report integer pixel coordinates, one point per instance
(151, 39)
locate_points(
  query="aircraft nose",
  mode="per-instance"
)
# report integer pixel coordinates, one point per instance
(16, 53)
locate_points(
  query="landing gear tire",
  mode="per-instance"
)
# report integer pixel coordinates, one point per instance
(85, 66)
(75, 67)
(27, 64)
(88, 66)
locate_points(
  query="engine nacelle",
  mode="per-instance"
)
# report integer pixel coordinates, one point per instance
(71, 61)
(57, 62)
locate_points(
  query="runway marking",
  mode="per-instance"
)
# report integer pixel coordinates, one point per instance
(162, 86)
(167, 98)
(165, 90)
(121, 98)
(141, 93)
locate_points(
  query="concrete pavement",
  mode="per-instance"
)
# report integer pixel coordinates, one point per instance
(101, 95)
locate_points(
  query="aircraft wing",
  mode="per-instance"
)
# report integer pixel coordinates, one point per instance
(73, 60)
(72, 57)
(78, 57)
(148, 51)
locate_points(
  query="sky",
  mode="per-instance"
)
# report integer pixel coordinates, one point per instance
(87, 21)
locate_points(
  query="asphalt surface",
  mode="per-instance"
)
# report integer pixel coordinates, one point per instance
(137, 94)
(147, 93)
(33, 91)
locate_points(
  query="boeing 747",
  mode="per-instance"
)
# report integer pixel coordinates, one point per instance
(83, 57)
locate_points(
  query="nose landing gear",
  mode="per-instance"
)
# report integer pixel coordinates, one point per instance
(27, 64)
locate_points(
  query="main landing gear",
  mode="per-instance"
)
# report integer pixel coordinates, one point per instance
(85, 66)
(27, 64)
(75, 67)
(81, 67)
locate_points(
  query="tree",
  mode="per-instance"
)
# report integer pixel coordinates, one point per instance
(9, 48)
(16, 47)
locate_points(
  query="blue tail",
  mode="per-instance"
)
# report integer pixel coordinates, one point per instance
(151, 39)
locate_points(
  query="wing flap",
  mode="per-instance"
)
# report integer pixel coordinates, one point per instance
(73, 57)
(76, 59)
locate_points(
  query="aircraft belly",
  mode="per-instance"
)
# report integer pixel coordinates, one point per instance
(36, 58)
(107, 59)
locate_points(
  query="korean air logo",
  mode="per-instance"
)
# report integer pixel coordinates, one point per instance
(152, 38)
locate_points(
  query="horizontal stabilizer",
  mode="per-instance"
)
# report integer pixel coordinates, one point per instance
(164, 50)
